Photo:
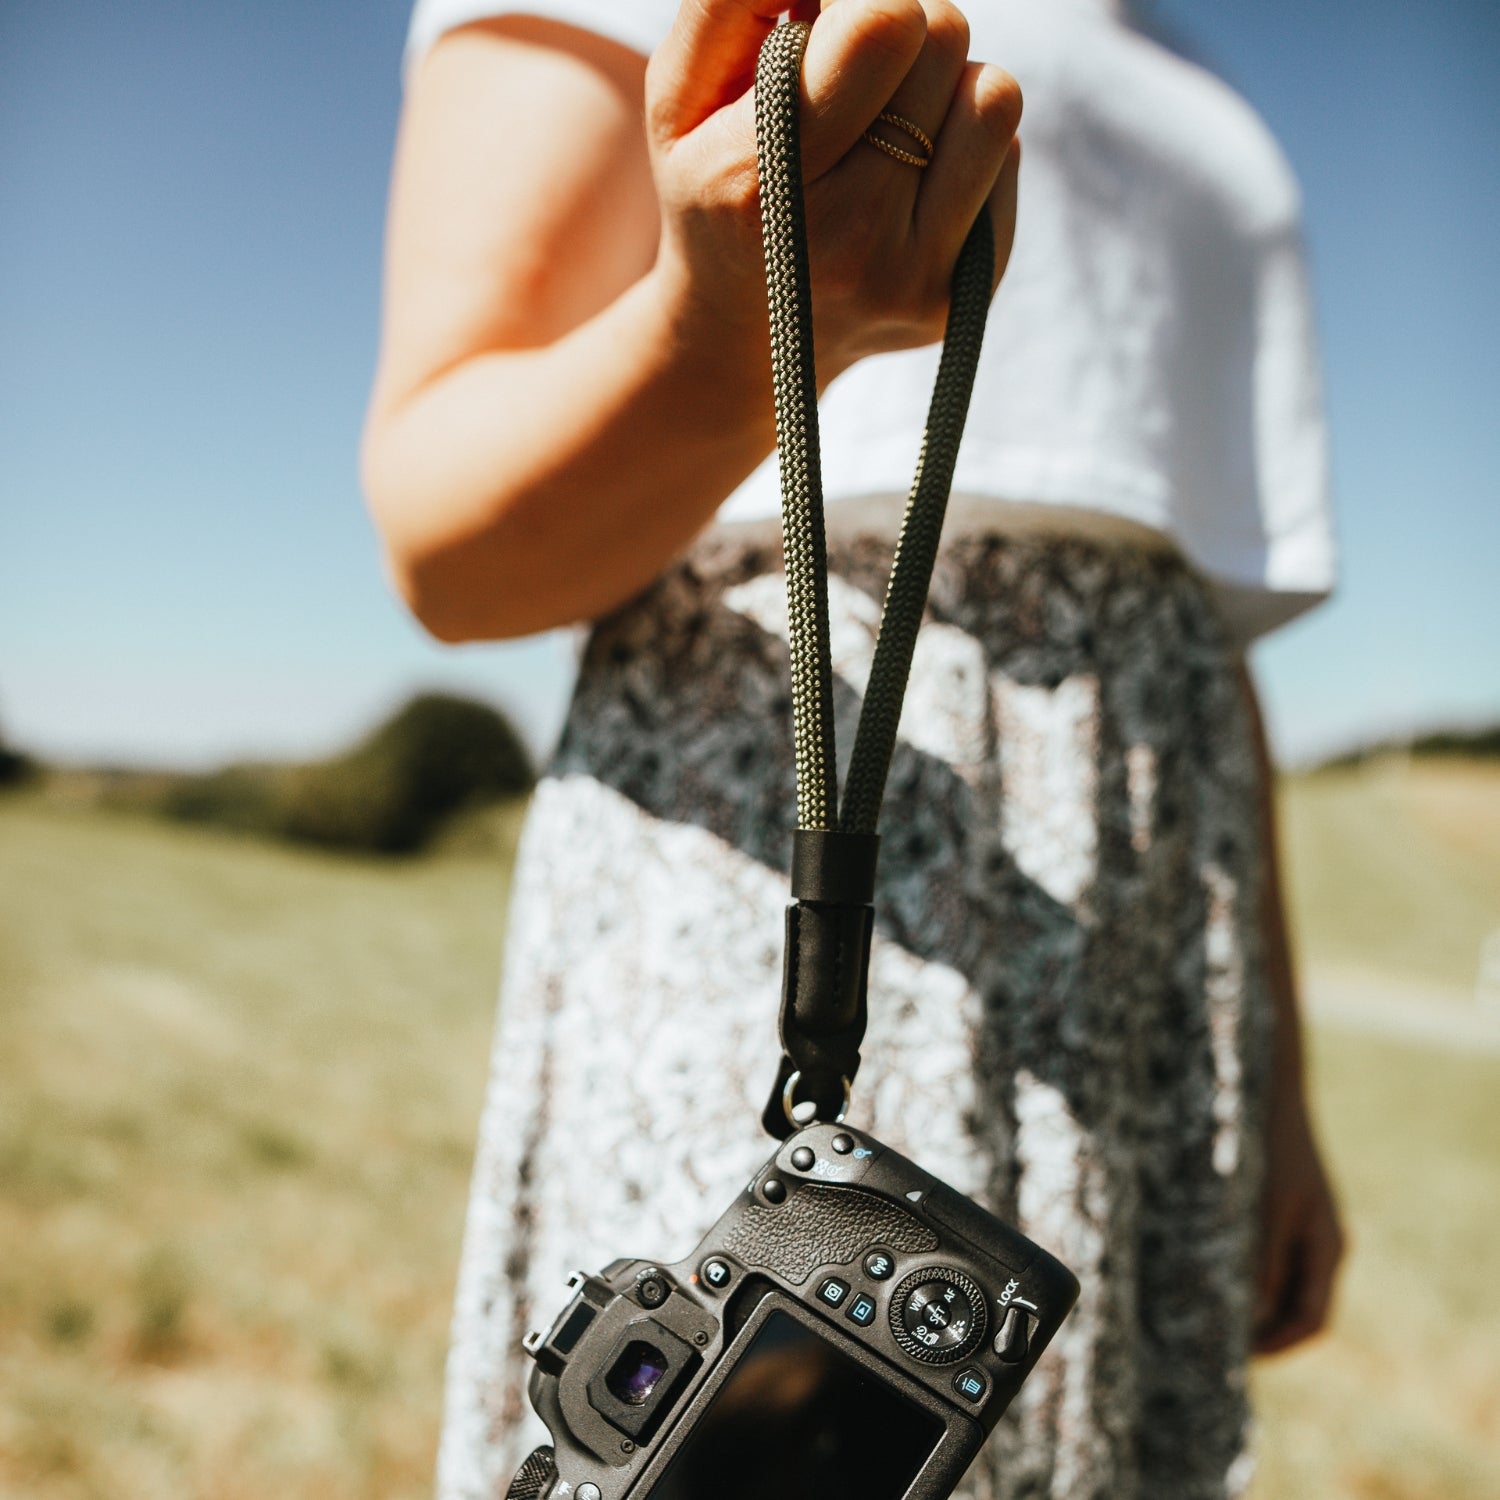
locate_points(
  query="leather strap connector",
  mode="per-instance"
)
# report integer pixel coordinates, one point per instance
(827, 966)
(824, 1004)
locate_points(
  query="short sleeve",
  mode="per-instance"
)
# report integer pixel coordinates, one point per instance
(638, 24)
(1298, 564)
(1291, 441)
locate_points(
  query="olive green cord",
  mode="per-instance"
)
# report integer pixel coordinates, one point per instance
(778, 109)
(778, 98)
(916, 549)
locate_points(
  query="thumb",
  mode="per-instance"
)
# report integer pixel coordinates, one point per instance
(706, 61)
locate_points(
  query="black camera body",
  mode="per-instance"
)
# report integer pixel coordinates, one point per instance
(850, 1329)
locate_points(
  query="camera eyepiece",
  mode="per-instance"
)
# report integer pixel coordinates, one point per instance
(635, 1374)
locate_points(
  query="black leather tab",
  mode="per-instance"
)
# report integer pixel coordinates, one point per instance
(823, 1006)
(827, 958)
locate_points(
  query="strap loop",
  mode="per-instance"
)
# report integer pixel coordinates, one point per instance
(831, 921)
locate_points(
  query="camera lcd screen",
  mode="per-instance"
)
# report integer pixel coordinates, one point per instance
(798, 1420)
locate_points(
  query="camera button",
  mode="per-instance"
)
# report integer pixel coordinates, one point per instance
(971, 1384)
(833, 1291)
(773, 1190)
(862, 1310)
(803, 1158)
(587, 1492)
(651, 1291)
(878, 1265)
(715, 1273)
(843, 1143)
(1013, 1342)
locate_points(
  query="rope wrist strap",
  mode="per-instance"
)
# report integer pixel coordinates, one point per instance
(831, 919)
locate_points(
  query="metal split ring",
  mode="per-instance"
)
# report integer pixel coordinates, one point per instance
(790, 1106)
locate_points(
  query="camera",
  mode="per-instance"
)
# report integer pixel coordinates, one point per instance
(850, 1329)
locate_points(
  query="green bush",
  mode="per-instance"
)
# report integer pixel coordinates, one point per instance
(1464, 742)
(14, 767)
(389, 794)
(249, 798)
(393, 791)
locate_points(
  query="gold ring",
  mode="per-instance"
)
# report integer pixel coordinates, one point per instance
(915, 131)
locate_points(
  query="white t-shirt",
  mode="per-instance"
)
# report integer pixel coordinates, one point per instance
(1150, 356)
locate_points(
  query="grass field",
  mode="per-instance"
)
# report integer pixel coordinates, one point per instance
(1394, 866)
(232, 1170)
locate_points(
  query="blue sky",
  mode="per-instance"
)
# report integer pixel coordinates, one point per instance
(191, 196)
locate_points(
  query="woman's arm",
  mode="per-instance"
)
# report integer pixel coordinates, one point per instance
(540, 403)
(1302, 1241)
(575, 367)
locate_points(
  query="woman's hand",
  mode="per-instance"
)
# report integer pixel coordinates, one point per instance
(883, 235)
(1302, 1241)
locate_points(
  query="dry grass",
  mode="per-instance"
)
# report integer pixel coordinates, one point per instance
(1402, 1400)
(238, 1091)
(1395, 866)
(238, 1088)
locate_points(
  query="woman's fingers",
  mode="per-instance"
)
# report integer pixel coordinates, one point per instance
(907, 57)
(1309, 1296)
(699, 82)
(973, 163)
(1290, 1321)
(922, 97)
(1300, 1259)
(706, 60)
(1002, 210)
(1323, 1254)
(1276, 1264)
(858, 56)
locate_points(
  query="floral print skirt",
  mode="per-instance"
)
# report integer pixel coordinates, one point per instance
(1068, 1013)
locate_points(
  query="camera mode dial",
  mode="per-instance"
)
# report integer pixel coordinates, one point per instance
(938, 1315)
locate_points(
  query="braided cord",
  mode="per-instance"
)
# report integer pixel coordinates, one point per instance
(916, 549)
(784, 237)
(778, 108)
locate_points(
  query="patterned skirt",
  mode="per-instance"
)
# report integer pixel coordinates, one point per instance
(1068, 1015)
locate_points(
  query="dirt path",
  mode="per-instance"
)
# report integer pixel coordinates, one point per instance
(1429, 1015)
